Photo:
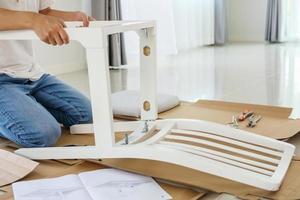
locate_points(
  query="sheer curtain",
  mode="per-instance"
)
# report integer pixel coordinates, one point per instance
(182, 24)
(194, 23)
(283, 20)
(158, 10)
(292, 21)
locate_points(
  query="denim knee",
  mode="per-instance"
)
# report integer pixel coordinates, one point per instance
(43, 135)
(87, 117)
(83, 115)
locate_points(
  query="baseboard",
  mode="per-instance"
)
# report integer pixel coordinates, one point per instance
(246, 38)
(65, 68)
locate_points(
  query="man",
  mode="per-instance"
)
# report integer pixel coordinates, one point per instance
(33, 104)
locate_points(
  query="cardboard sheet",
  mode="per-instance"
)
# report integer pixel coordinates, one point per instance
(193, 178)
(219, 112)
(14, 167)
(48, 169)
(274, 124)
(6, 193)
(289, 188)
(52, 168)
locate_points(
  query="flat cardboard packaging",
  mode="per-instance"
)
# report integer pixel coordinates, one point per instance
(192, 178)
(275, 124)
(219, 112)
(56, 168)
(14, 167)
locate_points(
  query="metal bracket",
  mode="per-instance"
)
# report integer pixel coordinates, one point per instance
(146, 32)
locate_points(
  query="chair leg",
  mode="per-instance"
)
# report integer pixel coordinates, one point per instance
(82, 152)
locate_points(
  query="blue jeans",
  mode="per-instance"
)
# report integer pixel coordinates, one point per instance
(31, 111)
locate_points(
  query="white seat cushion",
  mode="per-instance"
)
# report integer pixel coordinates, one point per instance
(127, 103)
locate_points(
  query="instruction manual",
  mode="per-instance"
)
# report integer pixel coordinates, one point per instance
(104, 184)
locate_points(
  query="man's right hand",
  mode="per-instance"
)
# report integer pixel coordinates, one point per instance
(50, 29)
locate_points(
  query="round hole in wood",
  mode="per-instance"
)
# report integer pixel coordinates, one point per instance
(147, 51)
(147, 105)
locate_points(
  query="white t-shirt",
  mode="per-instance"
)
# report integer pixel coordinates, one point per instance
(16, 57)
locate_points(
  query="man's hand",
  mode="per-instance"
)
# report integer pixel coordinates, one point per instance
(53, 33)
(50, 29)
(48, 24)
(81, 16)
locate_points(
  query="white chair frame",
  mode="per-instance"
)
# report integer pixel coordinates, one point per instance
(208, 147)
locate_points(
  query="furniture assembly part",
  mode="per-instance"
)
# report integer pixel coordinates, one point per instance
(204, 146)
(228, 153)
(94, 40)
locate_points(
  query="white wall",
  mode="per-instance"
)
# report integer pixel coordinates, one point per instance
(246, 20)
(246, 23)
(58, 60)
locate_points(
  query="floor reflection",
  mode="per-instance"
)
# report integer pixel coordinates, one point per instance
(249, 73)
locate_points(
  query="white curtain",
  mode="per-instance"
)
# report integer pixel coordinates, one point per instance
(182, 24)
(292, 20)
(283, 21)
(158, 10)
(194, 23)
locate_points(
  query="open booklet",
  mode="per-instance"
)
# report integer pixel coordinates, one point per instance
(104, 184)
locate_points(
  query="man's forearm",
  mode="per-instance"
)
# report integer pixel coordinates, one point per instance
(15, 20)
(68, 16)
(64, 15)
